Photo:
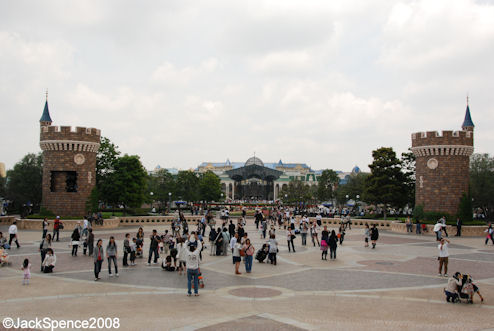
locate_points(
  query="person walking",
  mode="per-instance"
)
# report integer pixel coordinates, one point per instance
(225, 241)
(333, 244)
(408, 224)
(273, 249)
(314, 235)
(303, 233)
(57, 226)
(237, 246)
(418, 227)
(366, 235)
(212, 238)
(489, 234)
(219, 242)
(249, 255)
(111, 255)
(290, 236)
(153, 247)
(90, 242)
(45, 228)
(458, 227)
(98, 258)
(75, 241)
(437, 230)
(13, 234)
(443, 256)
(374, 235)
(126, 249)
(43, 248)
(192, 263)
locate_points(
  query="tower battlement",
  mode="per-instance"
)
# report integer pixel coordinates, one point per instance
(68, 133)
(443, 138)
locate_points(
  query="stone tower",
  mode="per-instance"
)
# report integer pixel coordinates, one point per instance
(69, 165)
(442, 167)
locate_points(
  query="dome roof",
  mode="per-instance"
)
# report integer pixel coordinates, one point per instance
(254, 160)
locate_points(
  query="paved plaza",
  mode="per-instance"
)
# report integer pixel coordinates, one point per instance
(392, 287)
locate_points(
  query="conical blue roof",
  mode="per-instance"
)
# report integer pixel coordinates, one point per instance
(468, 119)
(46, 114)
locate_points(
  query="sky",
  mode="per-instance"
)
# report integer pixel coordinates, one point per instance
(182, 82)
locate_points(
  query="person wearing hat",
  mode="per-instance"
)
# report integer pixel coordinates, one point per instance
(57, 226)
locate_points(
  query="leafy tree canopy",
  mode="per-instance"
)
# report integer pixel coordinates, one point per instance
(482, 183)
(210, 187)
(127, 183)
(24, 181)
(386, 183)
(187, 186)
(326, 185)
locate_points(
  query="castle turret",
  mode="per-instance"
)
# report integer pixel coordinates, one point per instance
(45, 119)
(467, 123)
(442, 167)
(69, 166)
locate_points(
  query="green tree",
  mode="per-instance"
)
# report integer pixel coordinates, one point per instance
(3, 187)
(209, 187)
(408, 168)
(482, 183)
(355, 186)
(326, 185)
(24, 181)
(386, 183)
(127, 183)
(297, 191)
(187, 186)
(161, 184)
(105, 159)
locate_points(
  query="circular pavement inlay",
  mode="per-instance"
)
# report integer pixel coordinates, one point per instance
(254, 292)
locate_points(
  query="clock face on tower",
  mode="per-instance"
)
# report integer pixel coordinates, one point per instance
(432, 163)
(79, 159)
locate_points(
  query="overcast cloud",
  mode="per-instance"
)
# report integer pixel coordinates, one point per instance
(181, 82)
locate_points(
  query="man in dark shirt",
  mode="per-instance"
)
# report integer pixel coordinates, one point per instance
(153, 247)
(231, 229)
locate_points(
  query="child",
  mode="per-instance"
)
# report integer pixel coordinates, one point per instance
(324, 249)
(133, 249)
(84, 244)
(26, 267)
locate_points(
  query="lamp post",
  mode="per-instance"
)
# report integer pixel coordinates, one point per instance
(151, 194)
(356, 204)
(169, 201)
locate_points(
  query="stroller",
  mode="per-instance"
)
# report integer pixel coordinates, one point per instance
(4, 257)
(262, 253)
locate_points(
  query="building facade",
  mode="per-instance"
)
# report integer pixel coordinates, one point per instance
(257, 180)
(69, 166)
(442, 167)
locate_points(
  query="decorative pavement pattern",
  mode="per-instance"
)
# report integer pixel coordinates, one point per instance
(390, 287)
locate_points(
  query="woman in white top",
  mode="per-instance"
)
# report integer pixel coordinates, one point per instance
(273, 249)
(236, 247)
(314, 231)
(182, 254)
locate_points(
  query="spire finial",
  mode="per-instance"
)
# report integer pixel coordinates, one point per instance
(46, 93)
(468, 98)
